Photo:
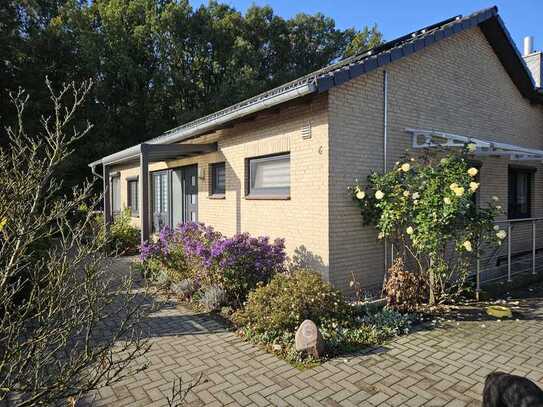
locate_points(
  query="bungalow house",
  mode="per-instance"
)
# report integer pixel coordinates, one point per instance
(279, 164)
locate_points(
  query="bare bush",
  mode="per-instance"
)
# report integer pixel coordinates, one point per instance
(67, 325)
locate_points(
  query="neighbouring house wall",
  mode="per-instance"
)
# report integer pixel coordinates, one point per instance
(303, 219)
(458, 86)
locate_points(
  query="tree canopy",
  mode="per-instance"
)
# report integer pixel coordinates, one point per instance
(157, 63)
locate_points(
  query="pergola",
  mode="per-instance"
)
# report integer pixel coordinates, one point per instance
(424, 138)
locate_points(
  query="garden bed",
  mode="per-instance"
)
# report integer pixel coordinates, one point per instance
(249, 283)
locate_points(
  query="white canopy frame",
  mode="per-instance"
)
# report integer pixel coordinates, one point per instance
(423, 138)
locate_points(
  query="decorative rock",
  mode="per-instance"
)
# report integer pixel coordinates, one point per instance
(309, 339)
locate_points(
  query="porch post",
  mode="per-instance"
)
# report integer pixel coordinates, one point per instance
(144, 194)
(107, 198)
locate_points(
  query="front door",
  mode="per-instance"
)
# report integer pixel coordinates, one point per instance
(190, 193)
(184, 195)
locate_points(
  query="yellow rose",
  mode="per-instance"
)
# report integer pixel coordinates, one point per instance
(405, 167)
(409, 230)
(467, 246)
(459, 191)
(453, 186)
(447, 200)
(471, 147)
(472, 172)
(473, 186)
(406, 193)
(360, 195)
(379, 195)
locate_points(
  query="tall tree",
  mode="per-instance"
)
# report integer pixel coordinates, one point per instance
(157, 63)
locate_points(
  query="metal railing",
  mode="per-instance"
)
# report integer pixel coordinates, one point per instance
(520, 254)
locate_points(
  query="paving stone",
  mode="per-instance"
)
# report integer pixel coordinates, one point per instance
(439, 367)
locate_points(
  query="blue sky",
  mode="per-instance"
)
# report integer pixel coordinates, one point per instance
(396, 17)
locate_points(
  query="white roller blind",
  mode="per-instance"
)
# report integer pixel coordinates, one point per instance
(270, 175)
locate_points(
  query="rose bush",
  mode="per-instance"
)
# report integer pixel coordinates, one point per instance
(423, 207)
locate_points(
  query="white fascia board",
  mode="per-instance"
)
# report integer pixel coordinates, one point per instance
(189, 131)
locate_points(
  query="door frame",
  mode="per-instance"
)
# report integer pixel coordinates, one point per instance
(170, 197)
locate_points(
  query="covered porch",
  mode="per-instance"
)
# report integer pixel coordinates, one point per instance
(142, 155)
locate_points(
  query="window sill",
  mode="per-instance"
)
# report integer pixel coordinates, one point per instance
(217, 196)
(268, 197)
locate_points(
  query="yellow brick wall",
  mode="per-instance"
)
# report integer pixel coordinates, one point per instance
(458, 86)
(303, 219)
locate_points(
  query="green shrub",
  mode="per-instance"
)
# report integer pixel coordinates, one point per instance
(287, 300)
(125, 238)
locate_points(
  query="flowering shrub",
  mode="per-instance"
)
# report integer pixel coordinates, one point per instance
(198, 252)
(245, 261)
(423, 207)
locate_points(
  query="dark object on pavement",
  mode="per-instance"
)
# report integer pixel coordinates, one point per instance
(506, 390)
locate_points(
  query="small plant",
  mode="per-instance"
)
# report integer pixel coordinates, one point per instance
(184, 289)
(286, 301)
(404, 289)
(124, 237)
(213, 297)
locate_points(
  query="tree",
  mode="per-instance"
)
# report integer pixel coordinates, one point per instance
(425, 208)
(156, 63)
(67, 324)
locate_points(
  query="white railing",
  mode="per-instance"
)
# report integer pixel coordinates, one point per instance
(518, 254)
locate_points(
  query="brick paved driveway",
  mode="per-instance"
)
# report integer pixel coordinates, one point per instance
(443, 366)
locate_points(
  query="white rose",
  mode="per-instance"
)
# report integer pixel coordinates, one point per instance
(360, 195)
(406, 193)
(467, 246)
(409, 230)
(447, 200)
(471, 147)
(405, 167)
(459, 191)
(496, 228)
(473, 186)
(502, 234)
(495, 198)
(472, 172)
(416, 195)
(379, 195)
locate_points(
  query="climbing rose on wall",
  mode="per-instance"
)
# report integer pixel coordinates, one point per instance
(424, 205)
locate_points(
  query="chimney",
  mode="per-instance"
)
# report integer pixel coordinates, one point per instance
(533, 60)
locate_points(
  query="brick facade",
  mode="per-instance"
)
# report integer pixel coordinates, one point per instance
(457, 85)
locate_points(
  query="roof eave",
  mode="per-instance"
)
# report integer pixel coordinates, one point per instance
(210, 122)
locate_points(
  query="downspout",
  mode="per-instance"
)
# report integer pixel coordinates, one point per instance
(93, 170)
(385, 145)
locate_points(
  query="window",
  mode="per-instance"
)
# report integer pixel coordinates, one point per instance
(269, 176)
(132, 195)
(115, 194)
(217, 179)
(520, 193)
(160, 200)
